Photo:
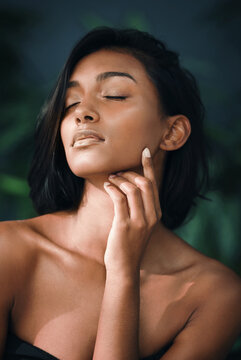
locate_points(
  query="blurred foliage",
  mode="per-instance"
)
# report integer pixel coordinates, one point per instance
(215, 227)
(215, 230)
(20, 100)
(225, 12)
(133, 20)
(90, 21)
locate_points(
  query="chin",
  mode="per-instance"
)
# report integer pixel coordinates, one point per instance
(91, 169)
(87, 166)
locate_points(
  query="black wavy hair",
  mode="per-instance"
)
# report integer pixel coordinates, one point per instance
(53, 187)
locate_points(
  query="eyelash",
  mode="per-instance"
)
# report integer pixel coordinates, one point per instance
(121, 98)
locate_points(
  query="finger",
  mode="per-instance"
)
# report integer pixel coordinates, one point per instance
(146, 187)
(149, 173)
(119, 201)
(134, 198)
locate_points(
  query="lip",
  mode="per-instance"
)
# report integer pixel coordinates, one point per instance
(86, 142)
(89, 134)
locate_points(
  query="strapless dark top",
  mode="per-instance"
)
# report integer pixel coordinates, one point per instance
(18, 349)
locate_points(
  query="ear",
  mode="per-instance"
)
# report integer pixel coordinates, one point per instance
(177, 132)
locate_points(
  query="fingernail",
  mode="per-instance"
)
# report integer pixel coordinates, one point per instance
(112, 176)
(146, 152)
(106, 183)
(120, 173)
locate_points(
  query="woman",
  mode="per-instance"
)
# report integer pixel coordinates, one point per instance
(120, 157)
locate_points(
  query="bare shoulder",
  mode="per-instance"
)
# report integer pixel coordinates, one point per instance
(212, 281)
(24, 240)
(17, 248)
(214, 299)
(14, 234)
(219, 284)
(211, 273)
(23, 233)
(15, 264)
(207, 273)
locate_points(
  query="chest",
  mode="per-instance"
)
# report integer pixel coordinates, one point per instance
(59, 305)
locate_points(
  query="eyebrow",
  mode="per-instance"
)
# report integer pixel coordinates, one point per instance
(104, 76)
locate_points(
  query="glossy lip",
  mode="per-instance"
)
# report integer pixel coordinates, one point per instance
(86, 142)
(87, 134)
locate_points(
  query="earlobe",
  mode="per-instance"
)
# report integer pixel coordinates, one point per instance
(177, 133)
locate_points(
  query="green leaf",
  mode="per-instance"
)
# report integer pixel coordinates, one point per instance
(90, 21)
(13, 185)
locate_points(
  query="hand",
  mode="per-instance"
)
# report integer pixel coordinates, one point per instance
(137, 211)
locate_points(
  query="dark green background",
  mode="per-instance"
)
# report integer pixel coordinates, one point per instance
(36, 38)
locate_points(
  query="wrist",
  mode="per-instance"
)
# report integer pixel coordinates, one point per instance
(122, 276)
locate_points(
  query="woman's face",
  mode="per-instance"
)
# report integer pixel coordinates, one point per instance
(127, 125)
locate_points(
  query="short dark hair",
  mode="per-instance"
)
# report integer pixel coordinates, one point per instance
(54, 187)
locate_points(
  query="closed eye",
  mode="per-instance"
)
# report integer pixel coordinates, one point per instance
(108, 97)
(116, 97)
(71, 105)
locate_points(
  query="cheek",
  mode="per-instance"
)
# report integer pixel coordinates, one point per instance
(137, 127)
(149, 123)
(131, 133)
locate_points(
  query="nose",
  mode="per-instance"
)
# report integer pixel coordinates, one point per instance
(85, 114)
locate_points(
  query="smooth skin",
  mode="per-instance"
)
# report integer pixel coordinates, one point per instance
(137, 212)
(110, 281)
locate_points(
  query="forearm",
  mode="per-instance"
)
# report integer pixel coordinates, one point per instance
(118, 328)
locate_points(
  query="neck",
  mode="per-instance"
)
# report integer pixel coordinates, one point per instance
(91, 223)
(89, 226)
